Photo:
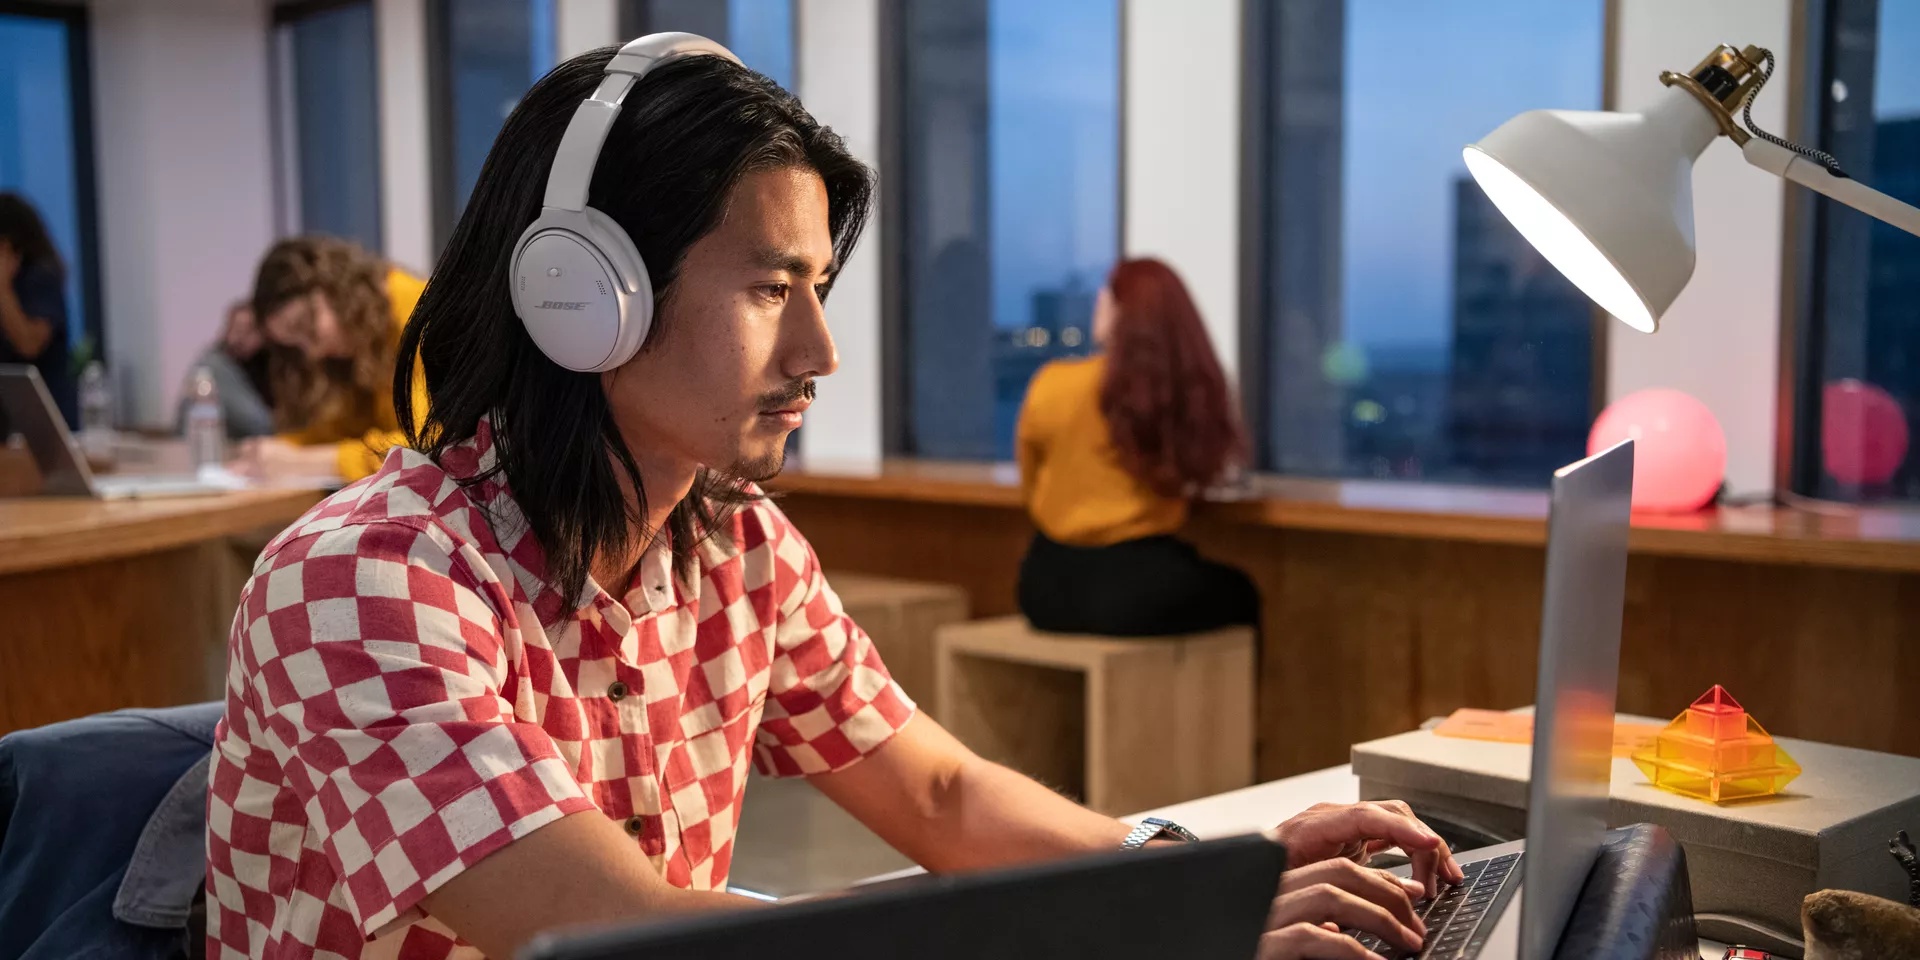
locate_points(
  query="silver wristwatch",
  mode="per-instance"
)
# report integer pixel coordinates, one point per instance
(1154, 827)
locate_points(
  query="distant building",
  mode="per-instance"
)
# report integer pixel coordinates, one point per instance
(1061, 324)
(1066, 313)
(1519, 399)
(1304, 129)
(947, 276)
(1396, 418)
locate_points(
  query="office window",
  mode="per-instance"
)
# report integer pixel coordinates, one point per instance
(759, 32)
(1403, 328)
(486, 54)
(1858, 383)
(328, 120)
(46, 152)
(1005, 130)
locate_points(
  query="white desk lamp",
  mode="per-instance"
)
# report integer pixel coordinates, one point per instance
(1607, 197)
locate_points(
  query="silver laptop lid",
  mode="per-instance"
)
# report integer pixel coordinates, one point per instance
(31, 412)
(1575, 695)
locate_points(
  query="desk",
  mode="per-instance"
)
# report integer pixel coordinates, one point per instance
(121, 604)
(1387, 603)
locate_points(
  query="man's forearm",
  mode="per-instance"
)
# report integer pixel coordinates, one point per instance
(996, 817)
(946, 808)
(28, 335)
(580, 870)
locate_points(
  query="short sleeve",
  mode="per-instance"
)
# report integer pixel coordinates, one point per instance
(830, 701)
(376, 665)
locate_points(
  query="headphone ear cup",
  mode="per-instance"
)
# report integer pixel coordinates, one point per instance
(637, 317)
(568, 297)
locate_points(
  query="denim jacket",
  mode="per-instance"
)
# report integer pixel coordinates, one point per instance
(103, 835)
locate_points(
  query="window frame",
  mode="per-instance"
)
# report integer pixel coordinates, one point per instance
(896, 349)
(442, 177)
(1805, 253)
(79, 22)
(289, 216)
(634, 23)
(1257, 168)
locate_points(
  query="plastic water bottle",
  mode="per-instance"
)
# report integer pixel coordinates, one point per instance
(206, 424)
(96, 416)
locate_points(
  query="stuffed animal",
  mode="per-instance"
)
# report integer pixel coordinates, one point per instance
(1844, 925)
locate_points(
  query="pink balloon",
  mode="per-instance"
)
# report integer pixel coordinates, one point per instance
(1679, 451)
(1863, 433)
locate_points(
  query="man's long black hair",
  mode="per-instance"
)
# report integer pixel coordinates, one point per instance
(689, 131)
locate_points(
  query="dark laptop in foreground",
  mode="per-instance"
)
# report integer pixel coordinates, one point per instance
(1209, 900)
(1200, 901)
(1517, 896)
(27, 407)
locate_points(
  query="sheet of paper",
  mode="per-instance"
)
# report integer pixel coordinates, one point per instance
(1502, 727)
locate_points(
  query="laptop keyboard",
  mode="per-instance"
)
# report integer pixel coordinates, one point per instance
(1461, 918)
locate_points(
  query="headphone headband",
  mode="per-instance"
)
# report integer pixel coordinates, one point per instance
(577, 282)
(579, 152)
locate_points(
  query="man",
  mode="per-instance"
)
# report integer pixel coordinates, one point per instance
(514, 679)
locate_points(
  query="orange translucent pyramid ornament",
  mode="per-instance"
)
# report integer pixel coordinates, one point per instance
(1715, 751)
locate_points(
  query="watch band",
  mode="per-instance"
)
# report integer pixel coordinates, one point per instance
(1153, 827)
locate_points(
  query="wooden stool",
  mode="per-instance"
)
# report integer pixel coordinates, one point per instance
(901, 617)
(1123, 724)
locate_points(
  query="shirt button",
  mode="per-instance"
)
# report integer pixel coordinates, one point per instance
(617, 691)
(634, 825)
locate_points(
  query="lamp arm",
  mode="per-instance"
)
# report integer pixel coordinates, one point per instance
(1788, 165)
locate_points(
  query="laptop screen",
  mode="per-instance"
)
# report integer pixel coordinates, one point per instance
(1579, 678)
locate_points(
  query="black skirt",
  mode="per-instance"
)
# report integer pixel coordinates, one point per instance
(1154, 586)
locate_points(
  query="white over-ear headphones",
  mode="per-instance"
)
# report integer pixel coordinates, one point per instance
(578, 283)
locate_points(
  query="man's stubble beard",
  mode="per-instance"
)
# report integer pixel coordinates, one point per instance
(760, 469)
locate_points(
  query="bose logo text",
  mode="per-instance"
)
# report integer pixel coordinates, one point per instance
(564, 304)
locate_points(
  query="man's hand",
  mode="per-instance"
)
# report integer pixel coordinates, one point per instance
(1357, 831)
(269, 459)
(1317, 901)
(1327, 890)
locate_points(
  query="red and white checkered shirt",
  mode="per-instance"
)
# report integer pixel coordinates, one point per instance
(406, 695)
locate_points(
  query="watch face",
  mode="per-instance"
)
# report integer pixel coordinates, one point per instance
(1174, 829)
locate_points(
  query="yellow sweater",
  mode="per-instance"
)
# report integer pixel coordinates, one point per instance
(1071, 478)
(360, 447)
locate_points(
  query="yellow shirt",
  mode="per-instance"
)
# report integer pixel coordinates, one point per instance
(1074, 485)
(362, 450)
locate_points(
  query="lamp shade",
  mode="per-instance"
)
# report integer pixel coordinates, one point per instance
(1607, 198)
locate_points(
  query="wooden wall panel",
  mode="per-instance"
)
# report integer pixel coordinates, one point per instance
(1366, 635)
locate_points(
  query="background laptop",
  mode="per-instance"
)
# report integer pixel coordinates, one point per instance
(1517, 896)
(1199, 901)
(28, 409)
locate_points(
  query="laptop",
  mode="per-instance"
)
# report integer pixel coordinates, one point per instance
(1517, 896)
(1197, 901)
(28, 409)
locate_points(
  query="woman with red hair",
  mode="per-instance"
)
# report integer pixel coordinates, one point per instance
(1113, 448)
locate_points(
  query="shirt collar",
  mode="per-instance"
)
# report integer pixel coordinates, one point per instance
(655, 587)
